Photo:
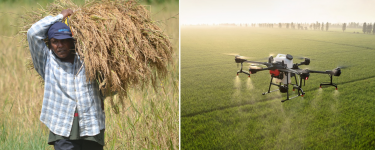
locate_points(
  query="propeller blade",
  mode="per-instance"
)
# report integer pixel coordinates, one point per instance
(290, 71)
(301, 57)
(255, 67)
(309, 67)
(272, 54)
(242, 57)
(231, 54)
(259, 63)
(266, 58)
(254, 64)
(343, 66)
(237, 55)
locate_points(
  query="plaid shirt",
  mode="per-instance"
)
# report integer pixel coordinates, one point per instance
(65, 87)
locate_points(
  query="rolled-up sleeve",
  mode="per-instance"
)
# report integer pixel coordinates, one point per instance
(38, 48)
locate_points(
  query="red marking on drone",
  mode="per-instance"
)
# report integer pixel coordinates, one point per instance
(275, 72)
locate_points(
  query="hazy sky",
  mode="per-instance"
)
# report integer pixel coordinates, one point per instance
(274, 11)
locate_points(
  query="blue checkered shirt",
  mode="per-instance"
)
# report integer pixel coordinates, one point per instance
(65, 87)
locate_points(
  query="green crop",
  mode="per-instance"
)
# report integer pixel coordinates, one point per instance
(222, 111)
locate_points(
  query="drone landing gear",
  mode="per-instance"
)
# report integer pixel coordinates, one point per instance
(285, 88)
(240, 71)
(270, 92)
(329, 83)
(289, 98)
(269, 89)
(300, 92)
(299, 87)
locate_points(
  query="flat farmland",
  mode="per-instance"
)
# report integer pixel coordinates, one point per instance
(220, 110)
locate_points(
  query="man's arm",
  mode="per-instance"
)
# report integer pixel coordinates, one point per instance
(35, 36)
(38, 48)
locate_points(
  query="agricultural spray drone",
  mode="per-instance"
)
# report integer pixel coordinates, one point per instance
(282, 70)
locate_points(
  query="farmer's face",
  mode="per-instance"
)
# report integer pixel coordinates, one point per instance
(62, 47)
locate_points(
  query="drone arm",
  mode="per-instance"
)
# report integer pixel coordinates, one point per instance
(306, 62)
(256, 62)
(253, 71)
(290, 71)
(334, 72)
(322, 72)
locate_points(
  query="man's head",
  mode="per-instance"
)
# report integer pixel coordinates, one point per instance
(60, 40)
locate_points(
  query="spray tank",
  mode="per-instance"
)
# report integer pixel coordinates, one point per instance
(288, 60)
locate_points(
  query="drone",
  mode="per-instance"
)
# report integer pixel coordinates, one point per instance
(282, 70)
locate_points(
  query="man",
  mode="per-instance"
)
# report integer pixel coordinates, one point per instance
(72, 107)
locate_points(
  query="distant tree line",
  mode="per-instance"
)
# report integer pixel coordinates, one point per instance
(353, 25)
(266, 25)
(366, 28)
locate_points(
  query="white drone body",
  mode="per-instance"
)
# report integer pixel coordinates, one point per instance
(288, 62)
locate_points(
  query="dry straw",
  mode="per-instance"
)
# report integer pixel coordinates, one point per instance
(119, 43)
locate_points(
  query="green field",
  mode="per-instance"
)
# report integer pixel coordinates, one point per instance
(222, 111)
(148, 120)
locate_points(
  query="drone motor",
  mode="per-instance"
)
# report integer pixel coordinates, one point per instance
(336, 72)
(305, 76)
(307, 61)
(239, 59)
(254, 69)
(270, 59)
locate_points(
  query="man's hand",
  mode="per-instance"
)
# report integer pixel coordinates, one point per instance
(66, 13)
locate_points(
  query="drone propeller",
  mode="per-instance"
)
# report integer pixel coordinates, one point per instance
(289, 70)
(258, 63)
(255, 66)
(231, 54)
(337, 71)
(242, 57)
(272, 54)
(237, 55)
(299, 57)
(343, 66)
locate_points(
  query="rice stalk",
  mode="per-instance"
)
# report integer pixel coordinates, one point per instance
(120, 45)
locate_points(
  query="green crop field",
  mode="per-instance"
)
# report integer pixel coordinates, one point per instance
(222, 111)
(149, 120)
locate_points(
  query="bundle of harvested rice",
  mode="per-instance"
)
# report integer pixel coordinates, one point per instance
(119, 43)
